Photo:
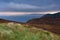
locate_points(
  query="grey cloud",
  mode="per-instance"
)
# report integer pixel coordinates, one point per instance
(23, 7)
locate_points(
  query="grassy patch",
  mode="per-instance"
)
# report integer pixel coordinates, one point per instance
(13, 31)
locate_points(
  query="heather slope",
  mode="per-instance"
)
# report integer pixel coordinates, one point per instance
(50, 22)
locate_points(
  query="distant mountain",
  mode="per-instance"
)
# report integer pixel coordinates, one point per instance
(56, 15)
(50, 22)
(21, 18)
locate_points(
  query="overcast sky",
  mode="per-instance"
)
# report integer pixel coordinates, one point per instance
(29, 5)
(23, 13)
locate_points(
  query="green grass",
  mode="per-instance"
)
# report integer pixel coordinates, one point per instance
(13, 31)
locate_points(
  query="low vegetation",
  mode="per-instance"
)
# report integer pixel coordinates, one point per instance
(14, 31)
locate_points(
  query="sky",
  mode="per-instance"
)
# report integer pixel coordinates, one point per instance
(23, 13)
(29, 5)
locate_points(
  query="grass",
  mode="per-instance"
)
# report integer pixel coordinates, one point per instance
(14, 31)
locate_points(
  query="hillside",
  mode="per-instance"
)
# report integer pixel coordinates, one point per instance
(7, 21)
(56, 15)
(16, 31)
(50, 22)
(45, 28)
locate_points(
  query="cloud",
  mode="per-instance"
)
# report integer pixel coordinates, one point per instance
(24, 13)
(21, 6)
(24, 7)
(16, 6)
(17, 13)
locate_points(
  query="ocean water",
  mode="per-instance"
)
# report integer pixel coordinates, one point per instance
(21, 18)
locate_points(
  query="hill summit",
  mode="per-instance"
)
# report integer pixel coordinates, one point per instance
(56, 15)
